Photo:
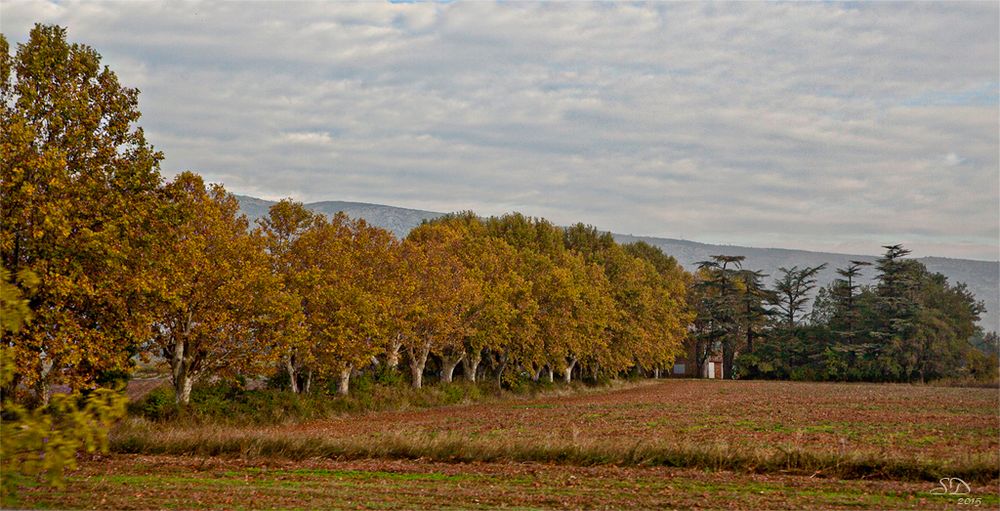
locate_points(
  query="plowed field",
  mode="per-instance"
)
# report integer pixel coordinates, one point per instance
(667, 444)
(892, 420)
(158, 482)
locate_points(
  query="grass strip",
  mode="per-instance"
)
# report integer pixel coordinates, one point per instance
(460, 449)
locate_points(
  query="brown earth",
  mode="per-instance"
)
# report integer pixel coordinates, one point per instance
(919, 421)
(159, 482)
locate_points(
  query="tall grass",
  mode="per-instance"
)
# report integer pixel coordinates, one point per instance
(141, 437)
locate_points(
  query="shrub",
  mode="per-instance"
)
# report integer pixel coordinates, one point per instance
(157, 405)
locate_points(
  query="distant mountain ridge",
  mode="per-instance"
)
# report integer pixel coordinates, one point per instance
(398, 221)
(982, 277)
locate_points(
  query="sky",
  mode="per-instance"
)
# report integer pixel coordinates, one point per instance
(820, 126)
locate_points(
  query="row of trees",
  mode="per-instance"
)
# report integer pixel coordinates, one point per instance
(911, 325)
(513, 292)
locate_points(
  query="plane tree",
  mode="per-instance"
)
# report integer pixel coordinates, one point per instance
(282, 229)
(443, 292)
(344, 296)
(219, 308)
(79, 185)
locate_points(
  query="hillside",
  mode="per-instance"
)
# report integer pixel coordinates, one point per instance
(982, 277)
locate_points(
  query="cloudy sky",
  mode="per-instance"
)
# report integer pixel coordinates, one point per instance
(823, 126)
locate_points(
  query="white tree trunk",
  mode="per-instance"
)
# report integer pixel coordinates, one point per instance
(392, 355)
(448, 366)
(345, 381)
(551, 374)
(569, 370)
(470, 364)
(418, 359)
(183, 388)
(309, 379)
(180, 373)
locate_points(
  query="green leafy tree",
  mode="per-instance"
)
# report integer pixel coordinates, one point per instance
(792, 290)
(716, 298)
(844, 293)
(753, 313)
(896, 308)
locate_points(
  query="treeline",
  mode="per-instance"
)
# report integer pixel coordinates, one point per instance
(117, 265)
(911, 325)
(502, 296)
(322, 297)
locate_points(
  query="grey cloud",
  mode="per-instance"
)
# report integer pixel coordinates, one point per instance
(821, 126)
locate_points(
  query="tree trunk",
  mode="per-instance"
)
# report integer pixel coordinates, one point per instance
(727, 360)
(470, 364)
(182, 388)
(448, 366)
(180, 374)
(536, 373)
(569, 370)
(392, 355)
(656, 373)
(42, 391)
(345, 381)
(42, 386)
(309, 379)
(418, 359)
(500, 368)
(550, 374)
(293, 376)
(701, 356)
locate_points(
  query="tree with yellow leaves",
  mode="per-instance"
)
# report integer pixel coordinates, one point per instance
(43, 442)
(282, 229)
(79, 184)
(443, 293)
(221, 310)
(345, 293)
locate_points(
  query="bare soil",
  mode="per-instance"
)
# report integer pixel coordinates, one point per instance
(158, 482)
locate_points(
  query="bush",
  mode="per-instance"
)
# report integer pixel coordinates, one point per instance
(460, 392)
(157, 405)
(981, 366)
(388, 377)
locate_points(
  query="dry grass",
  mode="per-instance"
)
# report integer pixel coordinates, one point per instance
(453, 448)
(847, 431)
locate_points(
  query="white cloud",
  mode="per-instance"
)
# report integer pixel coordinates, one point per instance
(802, 124)
(307, 138)
(952, 160)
